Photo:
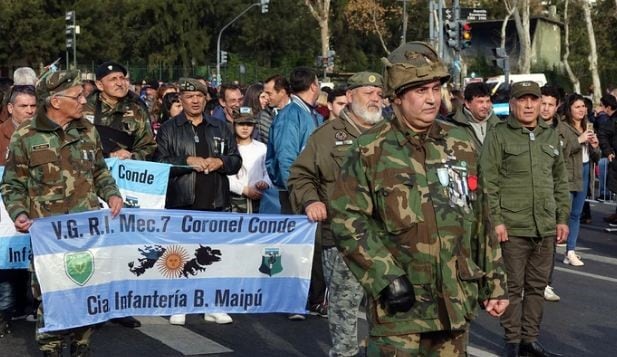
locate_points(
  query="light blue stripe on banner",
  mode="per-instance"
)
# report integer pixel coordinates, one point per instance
(82, 231)
(140, 176)
(94, 304)
(15, 252)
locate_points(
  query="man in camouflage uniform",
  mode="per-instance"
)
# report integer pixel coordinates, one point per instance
(119, 115)
(55, 166)
(311, 182)
(406, 215)
(526, 185)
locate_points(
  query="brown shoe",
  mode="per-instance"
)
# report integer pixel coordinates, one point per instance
(611, 219)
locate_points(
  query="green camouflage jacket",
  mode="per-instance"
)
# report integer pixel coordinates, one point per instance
(313, 175)
(525, 179)
(401, 206)
(50, 171)
(128, 116)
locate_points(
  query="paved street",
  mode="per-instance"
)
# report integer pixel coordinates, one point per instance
(584, 323)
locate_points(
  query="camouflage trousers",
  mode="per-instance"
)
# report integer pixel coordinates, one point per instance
(241, 204)
(344, 299)
(428, 344)
(53, 341)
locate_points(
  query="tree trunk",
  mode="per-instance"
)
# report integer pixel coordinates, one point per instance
(566, 24)
(511, 9)
(593, 55)
(383, 43)
(320, 9)
(521, 19)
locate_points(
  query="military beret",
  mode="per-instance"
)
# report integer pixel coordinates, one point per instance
(56, 82)
(109, 67)
(245, 115)
(363, 79)
(192, 85)
(523, 88)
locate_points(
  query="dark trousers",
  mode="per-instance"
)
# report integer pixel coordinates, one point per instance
(528, 264)
(317, 288)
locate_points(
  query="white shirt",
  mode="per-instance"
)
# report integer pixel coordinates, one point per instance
(253, 167)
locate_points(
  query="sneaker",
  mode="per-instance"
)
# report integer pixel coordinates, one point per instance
(179, 319)
(573, 259)
(319, 310)
(549, 294)
(296, 317)
(220, 318)
(611, 219)
(31, 318)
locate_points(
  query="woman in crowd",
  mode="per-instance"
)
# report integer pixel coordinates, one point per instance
(580, 146)
(255, 98)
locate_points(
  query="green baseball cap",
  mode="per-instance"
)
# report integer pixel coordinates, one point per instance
(244, 115)
(523, 88)
(192, 85)
(57, 82)
(365, 79)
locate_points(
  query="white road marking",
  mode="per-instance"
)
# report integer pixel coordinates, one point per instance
(179, 338)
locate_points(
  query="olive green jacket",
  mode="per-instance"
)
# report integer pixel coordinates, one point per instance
(462, 117)
(313, 174)
(395, 212)
(573, 155)
(525, 179)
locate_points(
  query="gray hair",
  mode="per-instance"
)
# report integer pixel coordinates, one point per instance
(24, 76)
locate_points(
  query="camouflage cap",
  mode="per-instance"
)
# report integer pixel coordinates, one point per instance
(244, 115)
(411, 65)
(192, 85)
(57, 82)
(365, 79)
(523, 88)
(108, 67)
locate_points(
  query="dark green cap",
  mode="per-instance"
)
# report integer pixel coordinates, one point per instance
(192, 85)
(57, 82)
(520, 89)
(365, 79)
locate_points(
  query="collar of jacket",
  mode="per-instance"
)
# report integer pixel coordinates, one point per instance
(405, 134)
(304, 105)
(42, 123)
(181, 119)
(118, 108)
(344, 122)
(513, 123)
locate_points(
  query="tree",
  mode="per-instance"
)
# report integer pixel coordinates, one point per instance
(521, 19)
(575, 82)
(593, 55)
(320, 9)
(369, 17)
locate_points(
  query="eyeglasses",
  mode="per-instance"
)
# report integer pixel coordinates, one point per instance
(72, 97)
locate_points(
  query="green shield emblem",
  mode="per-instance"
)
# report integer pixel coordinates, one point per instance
(271, 264)
(79, 266)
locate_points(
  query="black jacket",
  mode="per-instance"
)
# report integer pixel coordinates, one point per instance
(607, 135)
(175, 141)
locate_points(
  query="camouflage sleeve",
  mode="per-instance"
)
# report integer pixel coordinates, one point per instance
(489, 259)
(14, 187)
(303, 182)
(144, 144)
(490, 165)
(562, 189)
(356, 232)
(104, 183)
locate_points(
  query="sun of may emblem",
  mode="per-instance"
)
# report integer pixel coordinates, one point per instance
(171, 262)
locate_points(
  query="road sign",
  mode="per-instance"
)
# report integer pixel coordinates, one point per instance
(467, 13)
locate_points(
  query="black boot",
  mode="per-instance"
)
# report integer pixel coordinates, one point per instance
(511, 350)
(5, 324)
(127, 321)
(80, 350)
(535, 349)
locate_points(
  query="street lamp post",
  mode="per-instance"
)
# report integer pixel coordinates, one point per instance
(264, 8)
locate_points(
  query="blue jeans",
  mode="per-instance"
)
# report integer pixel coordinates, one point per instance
(578, 200)
(604, 192)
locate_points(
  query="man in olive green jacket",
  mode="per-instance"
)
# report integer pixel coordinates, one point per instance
(476, 115)
(525, 181)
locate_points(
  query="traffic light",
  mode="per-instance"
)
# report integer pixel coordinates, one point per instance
(452, 36)
(223, 57)
(264, 5)
(331, 54)
(70, 28)
(501, 59)
(465, 33)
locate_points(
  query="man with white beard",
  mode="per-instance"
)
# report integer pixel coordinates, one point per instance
(311, 181)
